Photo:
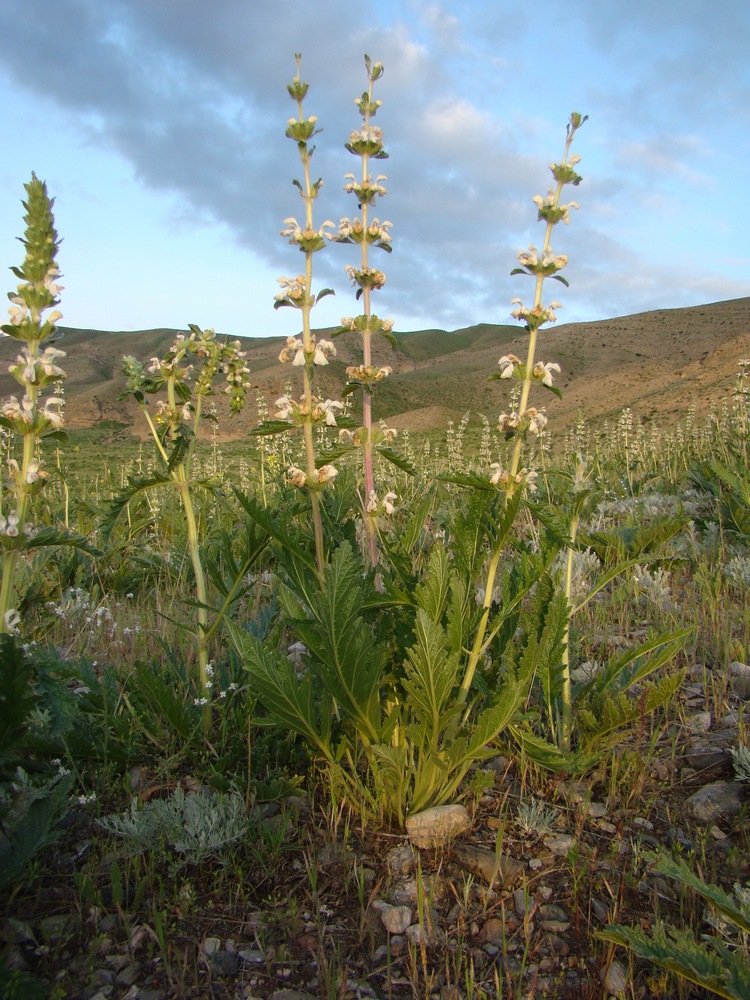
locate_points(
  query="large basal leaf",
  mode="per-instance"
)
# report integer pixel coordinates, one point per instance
(135, 487)
(726, 974)
(602, 715)
(733, 909)
(430, 678)
(35, 830)
(288, 698)
(431, 594)
(349, 662)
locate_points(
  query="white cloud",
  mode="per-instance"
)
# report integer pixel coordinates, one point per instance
(191, 98)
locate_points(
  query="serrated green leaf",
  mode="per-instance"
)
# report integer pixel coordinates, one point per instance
(271, 427)
(397, 459)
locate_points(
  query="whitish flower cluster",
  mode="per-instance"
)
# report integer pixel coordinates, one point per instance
(549, 263)
(368, 374)
(549, 210)
(26, 418)
(365, 277)
(537, 315)
(354, 232)
(374, 506)
(322, 411)
(297, 477)
(512, 367)
(502, 477)
(366, 190)
(37, 370)
(293, 292)
(317, 354)
(532, 419)
(371, 323)
(308, 240)
(34, 472)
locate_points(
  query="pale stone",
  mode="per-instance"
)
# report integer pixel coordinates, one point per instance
(739, 674)
(597, 810)
(401, 860)
(561, 843)
(521, 902)
(720, 798)
(437, 826)
(700, 722)
(415, 935)
(396, 919)
(488, 865)
(253, 956)
(614, 979)
(211, 945)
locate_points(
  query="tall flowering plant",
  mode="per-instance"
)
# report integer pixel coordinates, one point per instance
(367, 231)
(37, 415)
(305, 352)
(182, 379)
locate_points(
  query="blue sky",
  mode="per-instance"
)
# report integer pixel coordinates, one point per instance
(159, 128)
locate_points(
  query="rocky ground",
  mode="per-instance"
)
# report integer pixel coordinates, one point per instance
(500, 898)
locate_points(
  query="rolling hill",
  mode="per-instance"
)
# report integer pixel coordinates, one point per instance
(658, 363)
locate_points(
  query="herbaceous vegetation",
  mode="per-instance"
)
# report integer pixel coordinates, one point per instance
(214, 675)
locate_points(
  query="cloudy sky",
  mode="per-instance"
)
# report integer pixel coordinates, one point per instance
(159, 128)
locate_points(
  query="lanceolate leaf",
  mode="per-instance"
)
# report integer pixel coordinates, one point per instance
(724, 973)
(286, 697)
(397, 459)
(57, 536)
(123, 498)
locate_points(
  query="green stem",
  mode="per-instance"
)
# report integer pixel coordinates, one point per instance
(307, 340)
(477, 649)
(10, 558)
(367, 456)
(567, 705)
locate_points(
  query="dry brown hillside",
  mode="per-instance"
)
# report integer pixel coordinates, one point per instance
(658, 363)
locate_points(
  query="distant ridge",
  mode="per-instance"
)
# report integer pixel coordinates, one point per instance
(659, 363)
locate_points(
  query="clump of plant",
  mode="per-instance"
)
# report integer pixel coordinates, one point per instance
(36, 416)
(407, 679)
(309, 352)
(184, 377)
(368, 232)
(716, 962)
(198, 825)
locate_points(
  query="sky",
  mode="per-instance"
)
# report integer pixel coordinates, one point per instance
(158, 126)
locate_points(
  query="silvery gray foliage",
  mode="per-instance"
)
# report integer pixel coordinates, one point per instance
(197, 825)
(534, 816)
(741, 757)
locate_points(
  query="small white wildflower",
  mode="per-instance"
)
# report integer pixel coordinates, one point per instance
(200, 702)
(508, 364)
(11, 620)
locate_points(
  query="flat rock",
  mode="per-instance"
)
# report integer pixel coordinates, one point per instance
(710, 749)
(291, 995)
(488, 865)
(437, 826)
(615, 979)
(699, 723)
(739, 678)
(402, 860)
(560, 843)
(396, 918)
(720, 798)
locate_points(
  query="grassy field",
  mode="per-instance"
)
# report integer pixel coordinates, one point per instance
(290, 891)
